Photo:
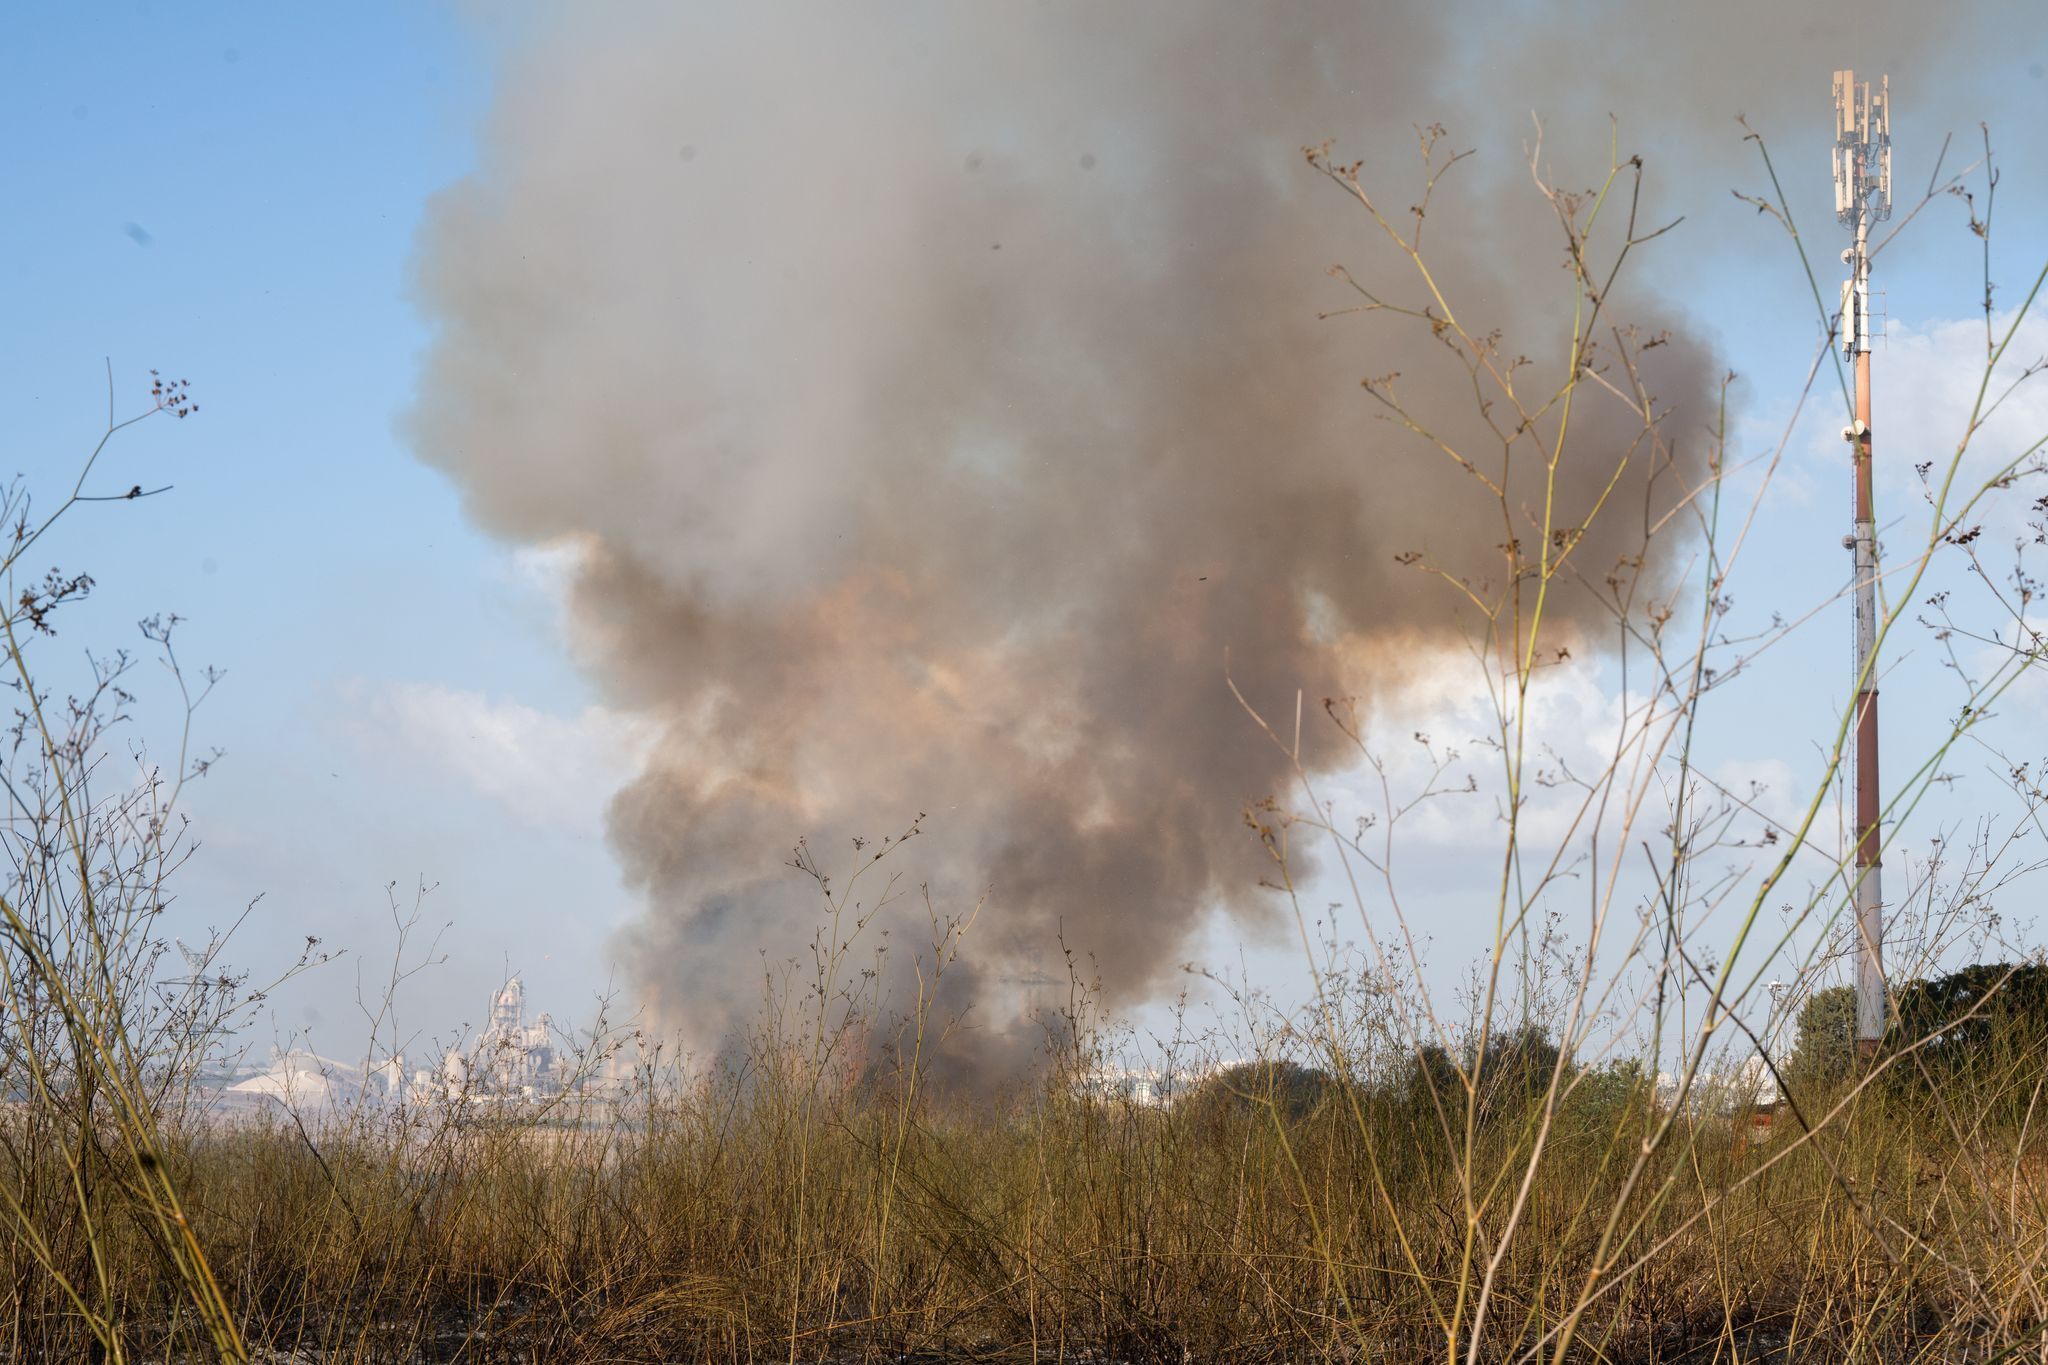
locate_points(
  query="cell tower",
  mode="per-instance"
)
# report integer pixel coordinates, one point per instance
(1863, 195)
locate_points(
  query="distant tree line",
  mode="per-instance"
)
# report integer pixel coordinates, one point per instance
(1986, 1024)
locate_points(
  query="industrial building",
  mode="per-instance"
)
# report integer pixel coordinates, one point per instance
(508, 1059)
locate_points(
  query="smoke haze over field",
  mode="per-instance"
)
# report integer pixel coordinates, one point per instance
(933, 395)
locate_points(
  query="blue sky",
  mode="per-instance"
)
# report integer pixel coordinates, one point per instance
(231, 193)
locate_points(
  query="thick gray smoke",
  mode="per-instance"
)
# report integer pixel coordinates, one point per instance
(935, 394)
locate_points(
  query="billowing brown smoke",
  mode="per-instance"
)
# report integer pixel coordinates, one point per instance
(935, 395)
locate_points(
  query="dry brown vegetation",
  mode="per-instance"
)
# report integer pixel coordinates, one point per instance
(1278, 1212)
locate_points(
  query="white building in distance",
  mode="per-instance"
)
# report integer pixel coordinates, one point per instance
(508, 1059)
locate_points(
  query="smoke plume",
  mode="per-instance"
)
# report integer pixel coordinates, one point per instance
(934, 394)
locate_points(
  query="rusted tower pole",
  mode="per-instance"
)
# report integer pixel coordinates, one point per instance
(1863, 195)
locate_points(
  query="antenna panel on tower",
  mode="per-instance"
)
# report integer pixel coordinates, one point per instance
(1863, 147)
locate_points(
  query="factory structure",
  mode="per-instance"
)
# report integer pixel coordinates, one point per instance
(1144, 1087)
(510, 1061)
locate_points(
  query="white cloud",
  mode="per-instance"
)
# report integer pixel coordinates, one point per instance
(1575, 723)
(1926, 381)
(547, 568)
(548, 771)
(1767, 786)
(547, 572)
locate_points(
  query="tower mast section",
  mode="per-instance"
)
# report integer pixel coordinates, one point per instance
(1863, 195)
